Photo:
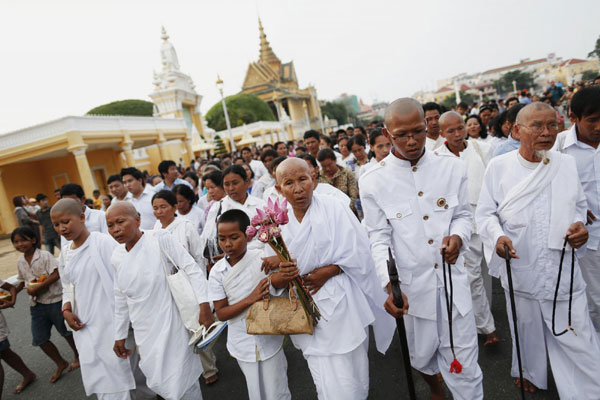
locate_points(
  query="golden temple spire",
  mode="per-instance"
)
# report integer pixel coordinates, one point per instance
(266, 52)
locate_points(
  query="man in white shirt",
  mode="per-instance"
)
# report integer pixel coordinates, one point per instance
(530, 201)
(257, 166)
(433, 111)
(416, 203)
(117, 189)
(141, 196)
(581, 142)
(170, 175)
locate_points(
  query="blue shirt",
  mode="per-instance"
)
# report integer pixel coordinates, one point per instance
(508, 145)
(178, 181)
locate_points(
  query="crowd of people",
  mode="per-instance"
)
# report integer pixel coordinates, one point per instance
(452, 193)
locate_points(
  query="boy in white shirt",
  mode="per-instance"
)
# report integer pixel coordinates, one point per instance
(235, 283)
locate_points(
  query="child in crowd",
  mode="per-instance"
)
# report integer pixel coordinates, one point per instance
(87, 278)
(45, 297)
(6, 354)
(235, 283)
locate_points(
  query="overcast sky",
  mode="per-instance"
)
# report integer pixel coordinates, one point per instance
(65, 57)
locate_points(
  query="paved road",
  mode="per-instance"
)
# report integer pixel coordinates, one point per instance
(387, 375)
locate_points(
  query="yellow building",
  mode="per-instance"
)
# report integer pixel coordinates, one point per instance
(571, 70)
(277, 84)
(84, 150)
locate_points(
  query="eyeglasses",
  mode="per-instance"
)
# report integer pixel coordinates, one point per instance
(539, 128)
(406, 136)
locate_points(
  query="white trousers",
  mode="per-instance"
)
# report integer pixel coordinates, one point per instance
(430, 352)
(341, 376)
(114, 396)
(590, 269)
(481, 285)
(267, 380)
(575, 360)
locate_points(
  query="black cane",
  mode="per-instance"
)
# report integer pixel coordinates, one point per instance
(398, 302)
(513, 308)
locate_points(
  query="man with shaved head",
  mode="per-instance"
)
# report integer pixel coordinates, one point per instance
(332, 253)
(143, 299)
(416, 202)
(530, 202)
(476, 156)
(89, 302)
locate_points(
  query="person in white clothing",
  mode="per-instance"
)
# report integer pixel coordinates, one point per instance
(235, 183)
(141, 195)
(186, 201)
(531, 200)
(268, 180)
(333, 259)
(143, 299)
(416, 203)
(272, 193)
(257, 166)
(476, 155)
(89, 303)
(433, 112)
(581, 142)
(117, 189)
(476, 129)
(95, 220)
(235, 283)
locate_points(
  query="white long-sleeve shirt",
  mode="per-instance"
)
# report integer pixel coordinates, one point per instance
(535, 271)
(187, 235)
(588, 167)
(143, 205)
(411, 209)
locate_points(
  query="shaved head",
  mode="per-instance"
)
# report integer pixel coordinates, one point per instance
(449, 117)
(67, 205)
(124, 208)
(291, 164)
(526, 112)
(402, 107)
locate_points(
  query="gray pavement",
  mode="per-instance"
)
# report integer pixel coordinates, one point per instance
(387, 374)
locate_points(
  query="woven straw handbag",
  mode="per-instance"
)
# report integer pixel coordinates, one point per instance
(278, 316)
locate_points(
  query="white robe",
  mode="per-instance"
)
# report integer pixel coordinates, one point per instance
(535, 234)
(87, 279)
(330, 190)
(196, 217)
(349, 302)
(185, 233)
(476, 156)
(143, 297)
(259, 187)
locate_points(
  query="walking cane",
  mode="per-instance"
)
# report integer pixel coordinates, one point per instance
(398, 302)
(513, 308)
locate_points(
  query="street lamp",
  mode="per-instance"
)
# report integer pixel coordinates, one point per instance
(220, 87)
(514, 86)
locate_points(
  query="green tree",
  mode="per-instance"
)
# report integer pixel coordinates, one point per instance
(589, 75)
(335, 110)
(450, 100)
(524, 80)
(242, 109)
(124, 107)
(596, 51)
(219, 145)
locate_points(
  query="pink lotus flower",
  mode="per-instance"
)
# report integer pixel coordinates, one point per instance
(281, 218)
(263, 234)
(275, 231)
(256, 221)
(262, 216)
(251, 232)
